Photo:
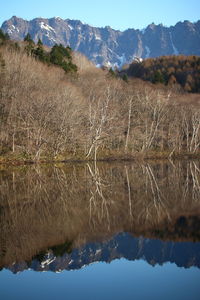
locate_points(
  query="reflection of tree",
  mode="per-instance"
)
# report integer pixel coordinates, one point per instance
(42, 206)
(129, 193)
(195, 172)
(97, 201)
(152, 206)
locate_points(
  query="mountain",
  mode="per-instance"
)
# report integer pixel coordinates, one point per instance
(123, 245)
(106, 46)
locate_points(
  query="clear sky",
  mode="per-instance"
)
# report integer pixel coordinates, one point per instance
(119, 14)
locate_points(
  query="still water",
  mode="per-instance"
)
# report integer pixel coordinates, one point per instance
(105, 231)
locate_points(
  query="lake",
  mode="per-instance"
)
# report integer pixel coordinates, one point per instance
(118, 230)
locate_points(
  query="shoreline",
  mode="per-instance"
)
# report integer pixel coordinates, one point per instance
(112, 158)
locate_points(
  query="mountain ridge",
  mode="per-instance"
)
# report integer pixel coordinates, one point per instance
(107, 46)
(101, 27)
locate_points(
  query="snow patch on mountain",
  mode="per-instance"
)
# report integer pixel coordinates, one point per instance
(70, 27)
(52, 39)
(137, 59)
(148, 51)
(174, 48)
(108, 64)
(46, 27)
(122, 59)
(12, 29)
(97, 37)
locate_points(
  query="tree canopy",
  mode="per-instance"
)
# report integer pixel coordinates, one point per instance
(62, 57)
(182, 70)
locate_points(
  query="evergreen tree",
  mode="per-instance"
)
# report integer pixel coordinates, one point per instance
(39, 43)
(30, 44)
(40, 53)
(158, 77)
(28, 39)
(111, 73)
(125, 77)
(3, 37)
(62, 57)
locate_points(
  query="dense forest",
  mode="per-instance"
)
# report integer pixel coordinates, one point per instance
(56, 105)
(182, 71)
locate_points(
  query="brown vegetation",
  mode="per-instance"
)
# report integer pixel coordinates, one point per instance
(91, 202)
(48, 114)
(175, 71)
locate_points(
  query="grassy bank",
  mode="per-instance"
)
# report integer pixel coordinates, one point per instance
(13, 159)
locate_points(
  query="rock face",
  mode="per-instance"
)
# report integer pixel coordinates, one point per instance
(106, 46)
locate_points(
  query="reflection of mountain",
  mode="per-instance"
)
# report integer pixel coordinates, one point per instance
(44, 206)
(123, 245)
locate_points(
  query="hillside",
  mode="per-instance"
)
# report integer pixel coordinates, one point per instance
(47, 113)
(169, 70)
(106, 46)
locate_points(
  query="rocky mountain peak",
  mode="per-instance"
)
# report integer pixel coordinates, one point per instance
(106, 46)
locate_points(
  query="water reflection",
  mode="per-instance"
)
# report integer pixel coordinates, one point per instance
(50, 215)
(123, 245)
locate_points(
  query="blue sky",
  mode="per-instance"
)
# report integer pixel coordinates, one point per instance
(119, 14)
